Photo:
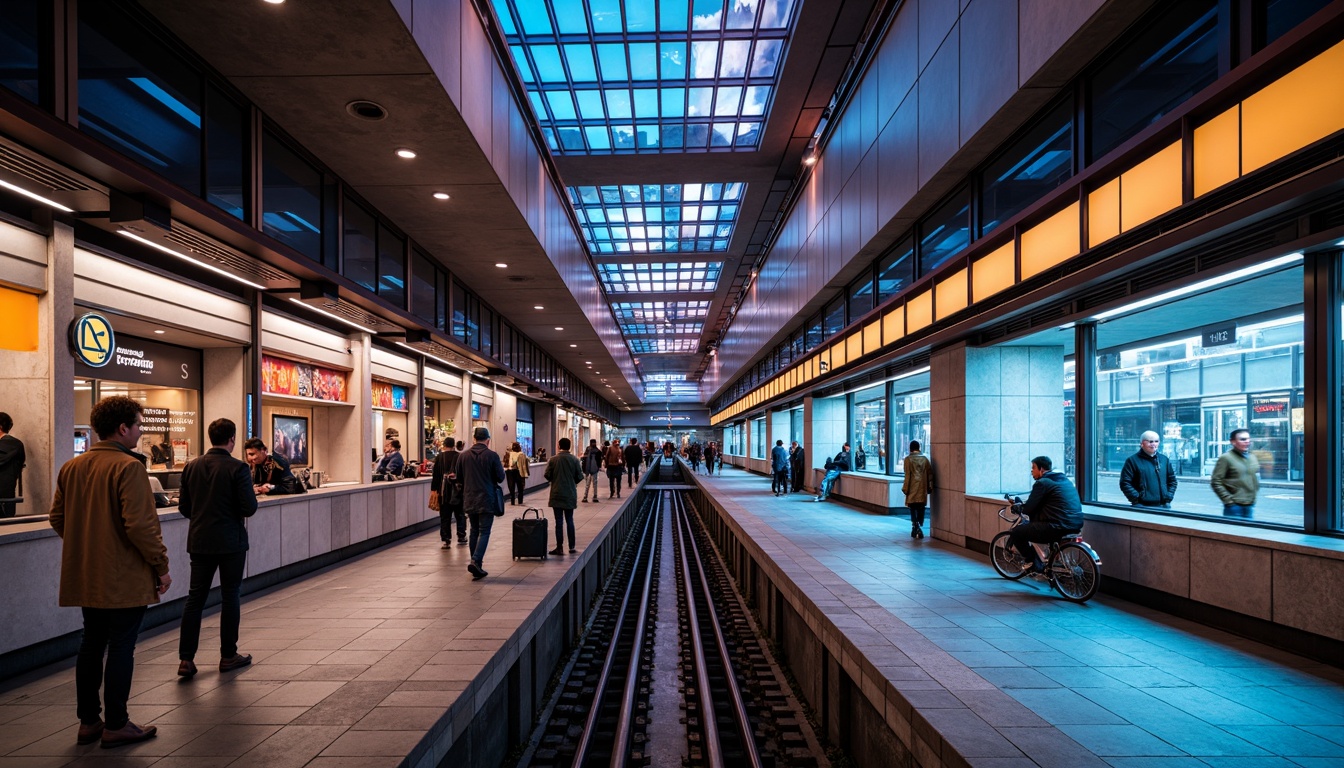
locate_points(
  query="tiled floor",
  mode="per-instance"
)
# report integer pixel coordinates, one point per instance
(353, 665)
(1131, 686)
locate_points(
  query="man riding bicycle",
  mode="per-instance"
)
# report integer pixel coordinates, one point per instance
(1053, 508)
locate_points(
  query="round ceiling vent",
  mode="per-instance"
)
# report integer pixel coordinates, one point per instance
(366, 110)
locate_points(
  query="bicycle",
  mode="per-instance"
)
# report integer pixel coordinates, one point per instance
(1072, 567)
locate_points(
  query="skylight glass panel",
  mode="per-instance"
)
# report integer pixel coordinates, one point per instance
(657, 218)
(651, 377)
(689, 276)
(651, 329)
(659, 311)
(685, 72)
(663, 345)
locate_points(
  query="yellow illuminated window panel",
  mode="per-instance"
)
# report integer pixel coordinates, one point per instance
(854, 345)
(18, 331)
(1103, 213)
(1218, 151)
(893, 325)
(1301, 107)
(872, 337)
(951, 294)
(838, 355)
(919, 311)
(994, 273)
(1053, 241)
(1150, 188)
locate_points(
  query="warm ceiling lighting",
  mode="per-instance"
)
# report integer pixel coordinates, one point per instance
(810, 160)
(559, 328)
(501, 265)
(537, 306)
(573, 346)
(276, 2)
(159, 331)
(405, 153)
(587, 362)
(441, 195)
(201, 264)
(35, 196)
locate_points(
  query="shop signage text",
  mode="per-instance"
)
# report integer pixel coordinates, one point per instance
(141, 361)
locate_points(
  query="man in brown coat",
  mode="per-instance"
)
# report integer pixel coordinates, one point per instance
(113, 564)
(918, 482)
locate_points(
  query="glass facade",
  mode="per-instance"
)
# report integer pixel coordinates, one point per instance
(20, 50)
(291, 198)
(945, 233)
(896, 270)
(758, 438)
(1034, 165)
(225, 153)
(868, 419)
(360, 257)
(1276, 17)
(608, 76)
(391, 266)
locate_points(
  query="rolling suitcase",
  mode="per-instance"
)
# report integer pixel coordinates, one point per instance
(530, 535)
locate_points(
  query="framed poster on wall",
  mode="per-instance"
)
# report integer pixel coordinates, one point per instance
(289, 438)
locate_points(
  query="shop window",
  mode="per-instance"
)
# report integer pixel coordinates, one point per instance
(424, 290)
(910, 405)
(1033, 166)
(896, 270)
(834, 318)
(945, 233)
(1274, 18)
(860, 294)
(473, 322)
(138, 97)
(1240, 368)
(796, 426)
(758, 438)
(20, 50)
(1172, 59)
(291, 198)
(868, 419)
(813, 333)
(226, 153)
(360, 255)
(391, 266)
(488, 333)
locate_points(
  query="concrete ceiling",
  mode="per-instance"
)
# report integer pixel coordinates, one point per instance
(303, 62)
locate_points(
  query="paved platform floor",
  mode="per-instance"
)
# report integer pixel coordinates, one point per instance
(1127, 686)
(353, 665)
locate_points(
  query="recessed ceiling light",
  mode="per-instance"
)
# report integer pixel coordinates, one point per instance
(158, 330)
(501, 265)
(406, 153)
(441, 195)
(587, 362)
(573, 346)
(537, 306)
(559, 328)
(275, 2)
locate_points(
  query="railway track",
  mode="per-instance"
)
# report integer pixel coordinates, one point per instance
(731, 706)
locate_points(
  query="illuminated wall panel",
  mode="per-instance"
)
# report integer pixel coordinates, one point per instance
(1051, 242)
(1218, 151)
(994, 273)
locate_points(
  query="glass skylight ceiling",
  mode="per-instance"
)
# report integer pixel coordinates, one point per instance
(684, 389)
(653, 329)
(671, 75)
(663, 345)
(660, 278)
(658, 311)
(654, 218)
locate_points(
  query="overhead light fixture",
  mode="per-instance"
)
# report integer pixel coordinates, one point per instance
(587, 362)
(441, 196)
(197, 262)
(573, 346)
(810, 160)
(713, 352)
(537, 306)
(408, 154)
(160, 331)
(501, 265)
(276, 2)
(559, 328)
(35, 196)
(429, 355)
(333, 316)
(1202, 285)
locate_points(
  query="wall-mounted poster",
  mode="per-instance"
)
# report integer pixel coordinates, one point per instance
(388, 396)
(289, 438)
(286, 377)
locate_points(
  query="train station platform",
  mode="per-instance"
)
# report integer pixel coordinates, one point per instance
(967, 668)
(386, 659)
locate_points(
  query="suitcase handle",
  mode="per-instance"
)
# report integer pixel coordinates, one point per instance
(530, 509)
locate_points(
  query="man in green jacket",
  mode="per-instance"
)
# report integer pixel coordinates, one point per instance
(1236, 476)
(564, 472)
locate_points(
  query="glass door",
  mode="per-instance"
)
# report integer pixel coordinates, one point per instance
(1219, 421)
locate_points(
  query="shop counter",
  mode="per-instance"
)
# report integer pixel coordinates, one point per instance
(288, 536)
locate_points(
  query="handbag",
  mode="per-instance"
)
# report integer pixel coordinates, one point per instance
(434, 505)
(498, 498)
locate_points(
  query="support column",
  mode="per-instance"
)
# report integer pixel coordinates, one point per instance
(44, 409)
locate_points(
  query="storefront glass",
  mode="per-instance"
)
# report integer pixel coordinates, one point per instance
(869, 419)
(758, 438)
(1241, 368)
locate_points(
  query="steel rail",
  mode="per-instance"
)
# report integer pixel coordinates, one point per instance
(712, 747)
(739, 706)
(590, 724)
(621, 748)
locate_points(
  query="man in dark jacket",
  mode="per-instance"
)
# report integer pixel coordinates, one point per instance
(450, 499)
(1054, 510)
(481, 472)
(216, 497)
(1148, 479)
(11, 465)
(564, 474)
(833, 469)
(797, 460)
(592, 466)
(634, 457)
(779, 469)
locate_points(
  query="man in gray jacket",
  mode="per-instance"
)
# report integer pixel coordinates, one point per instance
(481, 472)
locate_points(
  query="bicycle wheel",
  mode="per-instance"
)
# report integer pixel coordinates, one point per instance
(1074, 573)
(1007, 561)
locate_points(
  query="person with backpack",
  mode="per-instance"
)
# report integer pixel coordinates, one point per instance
(445, 484)
(615, 459)
(592, 465)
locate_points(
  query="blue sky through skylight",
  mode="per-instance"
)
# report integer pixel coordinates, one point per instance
(677, 75)
(657, 218)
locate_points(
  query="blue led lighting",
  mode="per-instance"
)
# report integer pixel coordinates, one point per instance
(609, 76)
(657, 218)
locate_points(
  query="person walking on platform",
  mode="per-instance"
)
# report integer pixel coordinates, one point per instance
(779, 469)
(592, 466)
(797, 465)
(634, 456)
(12, 459)
(1236, 476)
(693, 454)
(564, 473)
(444, 482)
(113, 564)
(833, 469)
(1148, 479)
(711, 453)
(216, 497)
(516, 471)
(481, 472)
(918, 482)
(615, 459)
